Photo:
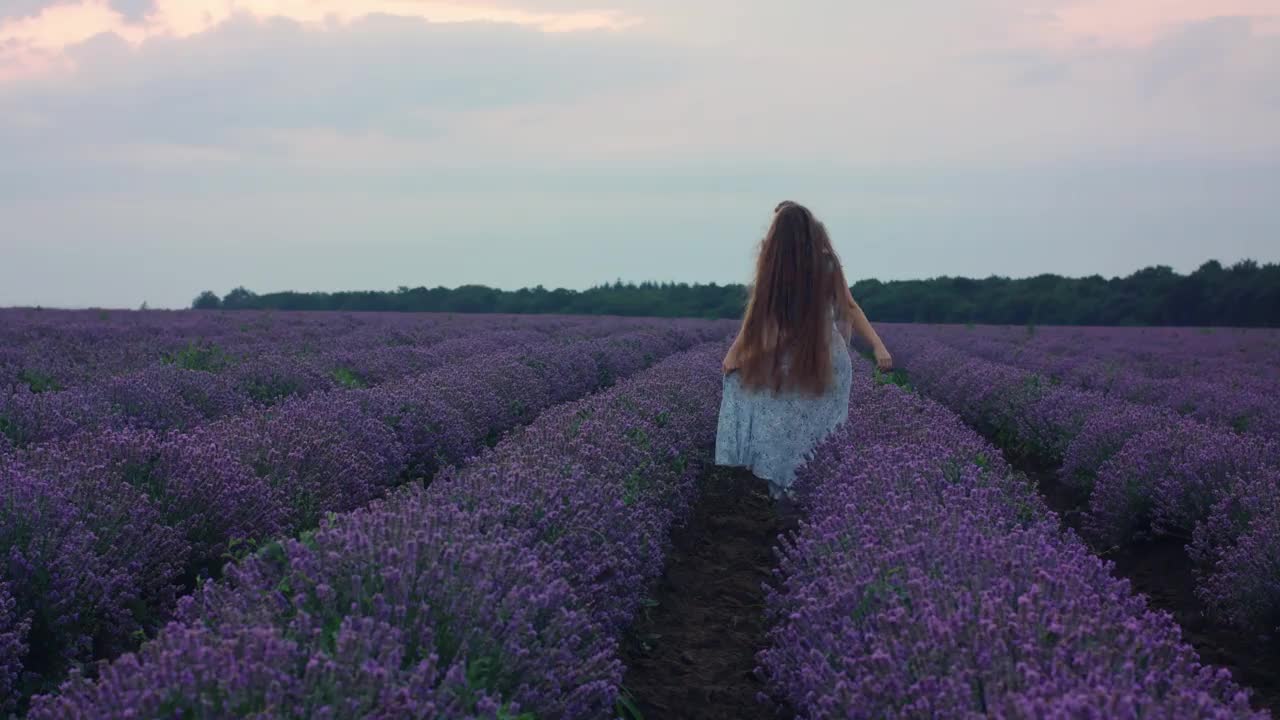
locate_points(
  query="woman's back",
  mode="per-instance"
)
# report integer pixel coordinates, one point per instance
(774, 432)
(788, 373)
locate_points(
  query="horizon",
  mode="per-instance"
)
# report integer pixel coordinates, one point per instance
(157, 148)
(595, 286)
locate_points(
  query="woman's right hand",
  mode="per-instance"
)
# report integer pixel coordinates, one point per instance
(884, 361)
(730, 362)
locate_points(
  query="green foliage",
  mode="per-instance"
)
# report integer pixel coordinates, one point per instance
(633, 487)
(982, 461)
(38, 381)
(348, 379)
(9, 429)
(240, 548)
(198, 356)
(885, 589)
(239, 299)
(893, 377)
(626, 708)
(270, 390)
(207, 300)
(638, 436)
(1245, 294)
(141, 474)
(576, 426)
(518, 408)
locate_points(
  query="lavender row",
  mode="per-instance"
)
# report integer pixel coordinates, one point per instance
(497, 592)
(103, 532)
(1153, 352)
(167, 396)
(1218, 383)
(1146, 471)
(929, 581)
(58, 349)
(48, 350)
(73, 348)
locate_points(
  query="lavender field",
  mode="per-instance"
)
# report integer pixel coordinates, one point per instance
(216, 515)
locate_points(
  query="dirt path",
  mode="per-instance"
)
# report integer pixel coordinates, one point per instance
(692, 655)
(1161, 570)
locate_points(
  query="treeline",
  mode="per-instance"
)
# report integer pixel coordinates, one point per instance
(1245, 294)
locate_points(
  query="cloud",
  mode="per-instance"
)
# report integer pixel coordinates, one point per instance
(392, 75)
(37, 43)
(868, 87)
(1198, 51)
(133, 10)
(23, 8)
(1142, 23)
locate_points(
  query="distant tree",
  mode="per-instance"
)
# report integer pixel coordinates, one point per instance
(207, 300)
(1244, 294)
(144, 306)
(239, 299)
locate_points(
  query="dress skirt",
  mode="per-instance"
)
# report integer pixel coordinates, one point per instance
(774, 434)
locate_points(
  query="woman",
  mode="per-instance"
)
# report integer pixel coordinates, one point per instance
(786, 384)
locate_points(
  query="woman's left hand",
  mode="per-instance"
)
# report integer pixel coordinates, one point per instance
(884, 360)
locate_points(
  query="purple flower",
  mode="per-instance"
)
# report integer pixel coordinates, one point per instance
(13, 648)
(443, 600)
(927, 580)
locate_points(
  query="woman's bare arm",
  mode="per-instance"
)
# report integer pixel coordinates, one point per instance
(844, 319)
(844, 323)
(731, 359)
(862, 326)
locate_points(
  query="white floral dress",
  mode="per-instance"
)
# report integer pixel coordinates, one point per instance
(774, 434)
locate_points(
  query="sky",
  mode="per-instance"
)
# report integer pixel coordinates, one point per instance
(151, 149)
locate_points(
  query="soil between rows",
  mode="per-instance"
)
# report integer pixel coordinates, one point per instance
(692, 653)
(1161, 570)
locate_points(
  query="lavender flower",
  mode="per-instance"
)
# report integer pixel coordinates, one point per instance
(958, 596)
(13, 648)
(284, 467)
(499, 590)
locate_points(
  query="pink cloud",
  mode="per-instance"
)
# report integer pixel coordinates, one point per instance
(1137, 23)
(33, 44)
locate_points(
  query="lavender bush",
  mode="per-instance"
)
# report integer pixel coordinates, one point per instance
(175, 480)
(166, 397)
(1224, 377)
(146, 497)
(959, 596)
(1165, 480)
(67, 372)
(318, 454)
(28, 418)
(1237, 551)
(67, 596)
(1103, 435)
(498, 591)
(13, 648)
(1148, 469)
